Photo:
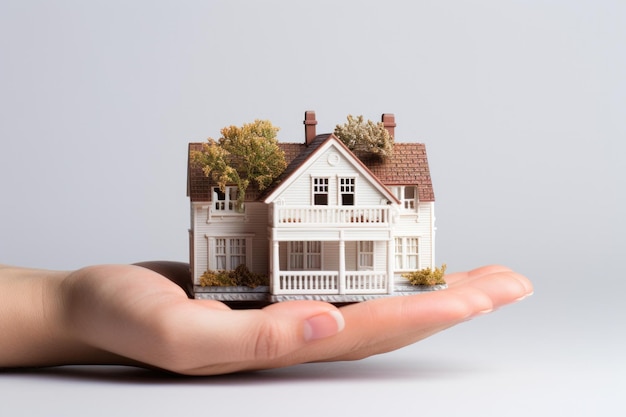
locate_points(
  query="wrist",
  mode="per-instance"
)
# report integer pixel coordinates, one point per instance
(34, 323)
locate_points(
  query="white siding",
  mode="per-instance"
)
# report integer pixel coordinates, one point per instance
(254, 222)
(380, 256)
(300, 190)
(420, 226)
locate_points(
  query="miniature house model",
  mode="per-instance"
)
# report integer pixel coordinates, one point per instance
(331, 227)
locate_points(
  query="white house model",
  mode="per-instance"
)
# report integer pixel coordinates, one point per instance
(331, 227)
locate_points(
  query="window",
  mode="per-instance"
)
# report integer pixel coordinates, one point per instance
(320, 191)
(399, 251)
(407, 195)
(225, 201)
(305, 255)
(411, 255)
(366, 255)
(346, 191)
(409, 198)
(407, 253)
(229, 253)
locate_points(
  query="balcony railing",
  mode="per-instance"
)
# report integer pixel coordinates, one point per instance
(331, 216)
(330, 282)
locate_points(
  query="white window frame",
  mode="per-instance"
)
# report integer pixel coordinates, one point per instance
(305, 255)
(407, 204)
(227, 250)
(407, 253)
(320, 186)
(228, 204)
(365, 255)
(346, 188)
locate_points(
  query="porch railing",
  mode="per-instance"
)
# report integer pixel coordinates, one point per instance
(343, 215)
(308, 282)
(329, 282)
(366, 282)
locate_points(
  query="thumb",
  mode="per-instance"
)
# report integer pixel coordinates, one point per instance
(284, 327)
(255, 339)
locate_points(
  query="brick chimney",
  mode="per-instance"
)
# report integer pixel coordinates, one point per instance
(309, 126)
(389, 121)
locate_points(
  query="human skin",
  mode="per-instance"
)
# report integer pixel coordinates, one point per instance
(133, 315)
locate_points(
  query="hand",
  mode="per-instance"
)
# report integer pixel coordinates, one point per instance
(132, 315)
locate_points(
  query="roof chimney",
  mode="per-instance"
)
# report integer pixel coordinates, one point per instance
(309, 126)
(389, 122)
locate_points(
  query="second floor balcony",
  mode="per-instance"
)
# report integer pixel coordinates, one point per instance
(345, 216)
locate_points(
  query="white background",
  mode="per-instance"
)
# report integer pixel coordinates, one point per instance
(521, 105)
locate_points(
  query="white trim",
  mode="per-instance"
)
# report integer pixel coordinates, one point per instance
(355, 187)
(313, 178)
(305, 255)
(404, 254)
(333, 142)
(371, 253)
(227, 237)
(399, 191)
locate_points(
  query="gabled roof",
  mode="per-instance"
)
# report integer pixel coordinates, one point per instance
(319, 144)
(407, 166)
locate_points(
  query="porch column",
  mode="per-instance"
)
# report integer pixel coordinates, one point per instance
(342, 265)
(391, 261)
(275, 266)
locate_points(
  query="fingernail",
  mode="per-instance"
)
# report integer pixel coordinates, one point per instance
(323, 325)
(525, 296)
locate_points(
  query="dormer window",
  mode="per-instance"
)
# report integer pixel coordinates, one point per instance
(407, 194)
(225, 201)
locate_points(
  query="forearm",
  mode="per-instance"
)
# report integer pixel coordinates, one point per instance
(33, 323)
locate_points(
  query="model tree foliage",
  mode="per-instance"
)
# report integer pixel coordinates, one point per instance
(242, 156)
(365, 137)
(427, 276)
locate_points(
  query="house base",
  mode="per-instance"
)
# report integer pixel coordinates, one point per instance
(259, 296)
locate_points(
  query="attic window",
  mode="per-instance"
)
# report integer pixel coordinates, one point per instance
(346, 190)
(320, 191)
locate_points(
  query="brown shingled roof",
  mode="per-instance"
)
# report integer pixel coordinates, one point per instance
(198, 185)
(407, 166)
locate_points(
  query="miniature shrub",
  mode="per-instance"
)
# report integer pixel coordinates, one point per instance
(427, 276)
(241, 276)
(244, 277)
(216, 279)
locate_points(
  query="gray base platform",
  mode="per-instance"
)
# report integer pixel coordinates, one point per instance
(262, 294)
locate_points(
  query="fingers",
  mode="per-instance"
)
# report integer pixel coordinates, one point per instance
(387, 324)
(503, 284)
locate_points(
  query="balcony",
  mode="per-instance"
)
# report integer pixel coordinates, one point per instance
(358, 216)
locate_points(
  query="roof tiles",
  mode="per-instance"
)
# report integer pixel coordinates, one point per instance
(407, 166)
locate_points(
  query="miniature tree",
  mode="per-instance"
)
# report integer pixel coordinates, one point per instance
(363, 137)
(241, 156)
